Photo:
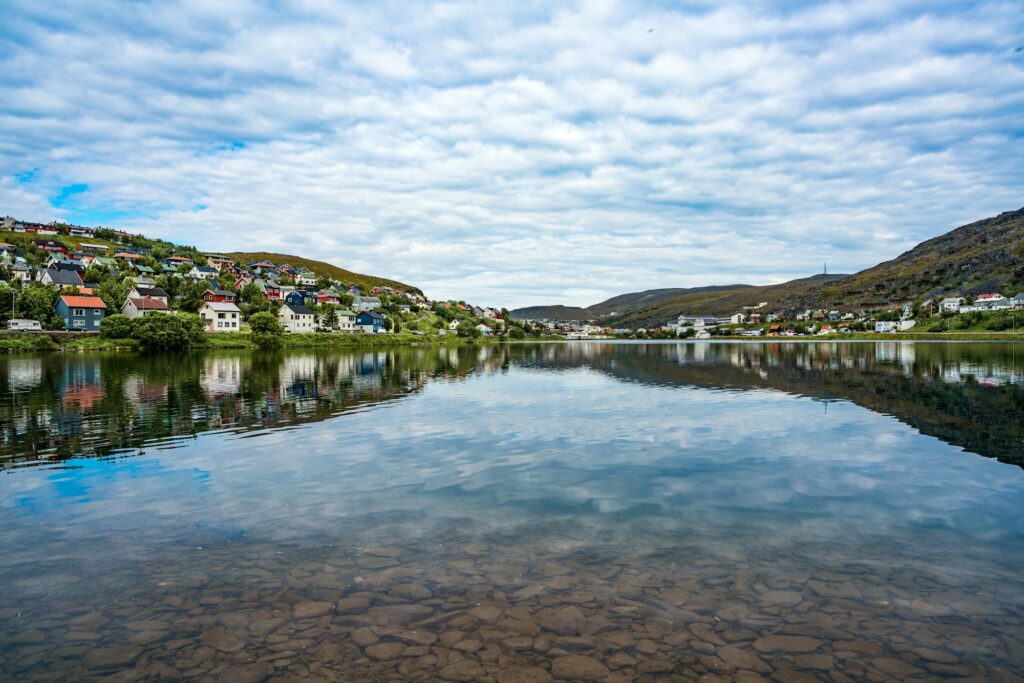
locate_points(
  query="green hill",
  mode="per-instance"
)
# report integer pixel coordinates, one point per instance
(321, 268)
(985, 256)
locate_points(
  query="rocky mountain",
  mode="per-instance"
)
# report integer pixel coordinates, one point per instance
(985, 256)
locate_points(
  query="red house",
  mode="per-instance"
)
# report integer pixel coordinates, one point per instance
(50, 246)
(326, 296)
(219, 296)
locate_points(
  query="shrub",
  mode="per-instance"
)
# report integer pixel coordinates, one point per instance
(116, 327)
(179, 331)
(266, 330)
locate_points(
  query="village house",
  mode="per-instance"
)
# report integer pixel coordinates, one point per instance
(50, 246)
(203, 272)
(370, 322)
(144, 305)
(951, 304)
(346, 320)
(484, 330)
(305, 278)
(365, 303)
(296, 318)
(220, 316)
(81, 312)
(327, 297)
(219, 262)
(220, 296)
(60, 278)
(697, 321)
(141, 291)
(176, 261)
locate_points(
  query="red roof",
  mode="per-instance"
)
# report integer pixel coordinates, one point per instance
(148, 303)
(83, 301)
(126, 255)
(178, 258)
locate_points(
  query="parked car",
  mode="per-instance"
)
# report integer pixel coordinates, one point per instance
(24, 325)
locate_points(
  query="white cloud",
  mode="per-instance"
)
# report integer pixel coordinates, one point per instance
(514, 155)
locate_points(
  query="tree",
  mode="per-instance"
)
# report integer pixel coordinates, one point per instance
(467, 330)
(37, 302)
(159, 331)
(329, 319)
(116, 326)
(113, 293)
(266, 330)
(323, 282)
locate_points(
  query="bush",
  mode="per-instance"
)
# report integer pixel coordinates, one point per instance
(179, 331)
(517, 333)
(266, 330)
(116, 327)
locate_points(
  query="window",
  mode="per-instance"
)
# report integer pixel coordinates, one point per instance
(221, 316)
(78, 311)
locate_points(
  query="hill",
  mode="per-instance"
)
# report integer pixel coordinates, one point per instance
(726, 301)
(321, 268)
(617, 305)
(985, 256)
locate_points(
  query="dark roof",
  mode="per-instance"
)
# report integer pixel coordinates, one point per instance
(67, 265)
(373, 314)
(220, 292)
(150, 291)
(301, 309)
(64, 277)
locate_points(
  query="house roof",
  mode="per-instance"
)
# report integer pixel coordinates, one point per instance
(221, 307)
(150, 291)
(64, 277)
(219, 292)
(181, 259)
(126, 255)
(205, 269)
(150, 304)
(83, 301)
(373, 314)
(299, 309)
(345, 311)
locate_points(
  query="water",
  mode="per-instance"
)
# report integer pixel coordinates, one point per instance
(515, 513)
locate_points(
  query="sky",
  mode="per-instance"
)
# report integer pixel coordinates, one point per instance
(519, 153)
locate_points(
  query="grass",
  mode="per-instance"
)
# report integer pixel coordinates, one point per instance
(22, 341)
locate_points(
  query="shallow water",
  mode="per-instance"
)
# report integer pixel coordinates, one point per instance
(599, 511)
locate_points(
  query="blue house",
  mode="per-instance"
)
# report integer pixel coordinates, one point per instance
(370, 322)
(296, 297)
(81, 312)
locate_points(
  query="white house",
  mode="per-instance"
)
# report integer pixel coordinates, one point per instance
(219, 316)
(992, 301)
(702, 334)
(886, 326)
(484, 330)
(144, 292)
(306, 279)
(297, 318)
(365, 303)
(738, 319)
(453, 326)
(145, 305)
(204, 272)
(951, 304)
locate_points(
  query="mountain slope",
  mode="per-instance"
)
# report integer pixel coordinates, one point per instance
(985, 256)
(726, 301)
(621, 304)
(321, 268)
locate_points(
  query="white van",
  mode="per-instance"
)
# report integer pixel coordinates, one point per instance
(24, 325)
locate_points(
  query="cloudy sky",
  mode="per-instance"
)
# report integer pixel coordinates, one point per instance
(519, 153)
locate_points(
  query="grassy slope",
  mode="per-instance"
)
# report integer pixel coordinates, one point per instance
(975, 258)
(321, 268)
(723, 302)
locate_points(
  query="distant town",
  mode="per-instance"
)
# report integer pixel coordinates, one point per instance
(72, 278)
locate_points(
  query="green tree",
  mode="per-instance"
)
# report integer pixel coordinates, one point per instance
(37, 302)
(467, 330)
(116, 326)
(329, 319)
(266, 330)
(179, 331)
(113, 293)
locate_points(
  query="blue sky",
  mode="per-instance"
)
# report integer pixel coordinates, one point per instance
(534, 153)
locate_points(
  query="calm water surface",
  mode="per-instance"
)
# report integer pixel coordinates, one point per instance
(582, 511)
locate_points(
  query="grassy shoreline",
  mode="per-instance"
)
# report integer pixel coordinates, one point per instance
(37, 343)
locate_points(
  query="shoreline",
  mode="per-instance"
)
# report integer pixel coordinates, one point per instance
(44, 343)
